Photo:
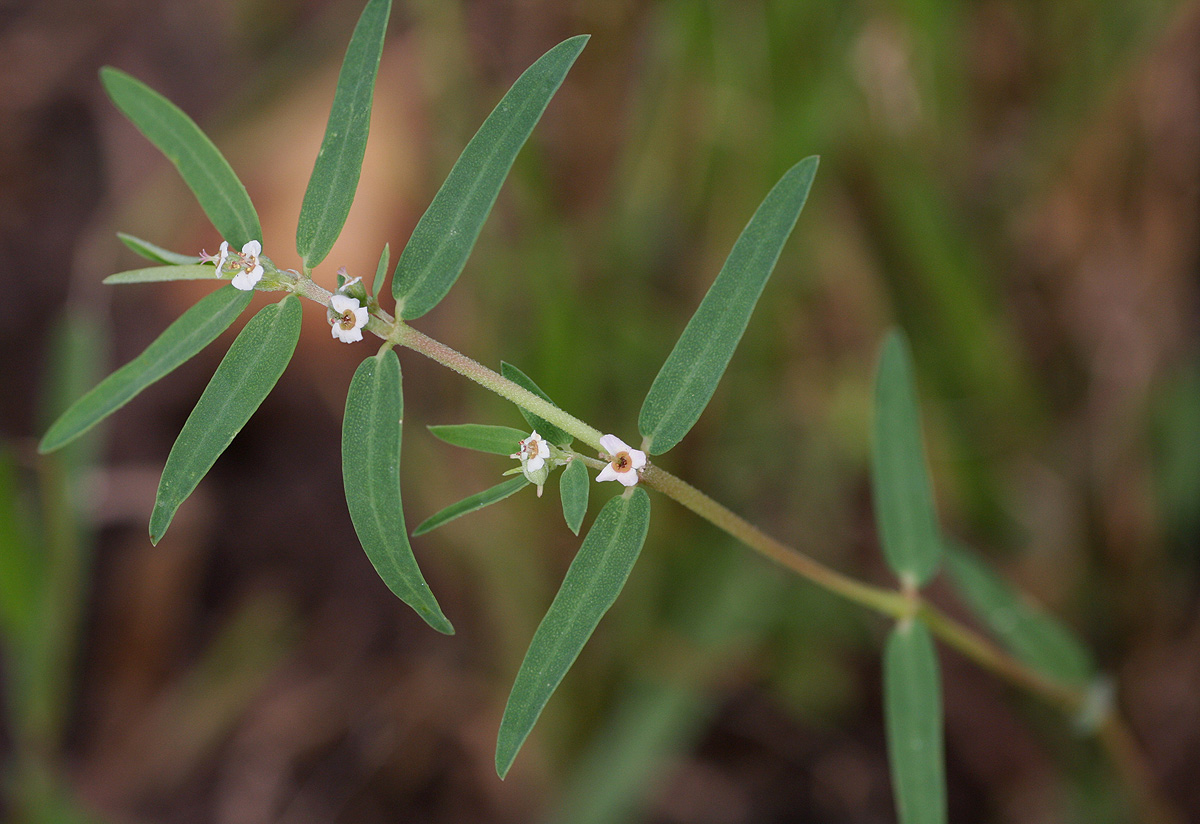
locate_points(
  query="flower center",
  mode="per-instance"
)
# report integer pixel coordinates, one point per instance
(532, 447)
(622, 462)
(346, 321)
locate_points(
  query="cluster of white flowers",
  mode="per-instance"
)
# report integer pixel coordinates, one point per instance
(535, 457)
(244, 266)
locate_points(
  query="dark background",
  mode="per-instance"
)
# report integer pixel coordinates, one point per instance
(1013, 182)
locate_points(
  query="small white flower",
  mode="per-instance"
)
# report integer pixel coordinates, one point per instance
(534, 452)
(250, 271)
(348, 318)
(624, 461)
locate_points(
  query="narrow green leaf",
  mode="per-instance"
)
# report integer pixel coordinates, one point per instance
(496, 440)
(904, 509)
(912, 694)
(543, 427)
(156, 253)
(191, 332)
(161, 274)
(590, 587)
(381, 269)
(690, 375)
(472, 503)
(438, 249)
(573, 487)
(244, 378)
(371, 476)
(1033, 636)
(220, 194)
(339, 162)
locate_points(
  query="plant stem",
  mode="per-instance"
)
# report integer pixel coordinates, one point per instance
(901, 605)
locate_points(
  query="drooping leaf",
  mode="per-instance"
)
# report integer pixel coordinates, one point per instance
(156, 253)
(495, 440)
(690, 375)
(339, 162)
(381, 269)
(913, 707)
(472, 503)
(543, 427)
(371, 476)
(573, 487)
(590, 587)
(194, 329)
(244, 378)
(438, 249)
(220, 194)
(161, 274)
(904, 510)
(1033, 636)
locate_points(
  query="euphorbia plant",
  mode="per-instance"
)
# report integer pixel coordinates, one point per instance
(1044, 658)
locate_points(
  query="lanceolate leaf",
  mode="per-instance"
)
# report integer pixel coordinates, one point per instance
(158, 254)
(246, 375)
(1033, 636)
(195, 329)
(381, 269)
(591, 585)
(573, 486)
(160, 274)
(690, 375)
(904, 508)
(206, 172)
(335, 174)
(913, 707)
(544, 428)
(439, 246)
(472, 503)
(371, 475)
(496, 440)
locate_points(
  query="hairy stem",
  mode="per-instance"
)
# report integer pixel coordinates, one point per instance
(1113, 734)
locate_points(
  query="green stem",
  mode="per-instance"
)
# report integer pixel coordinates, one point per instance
(903, 605)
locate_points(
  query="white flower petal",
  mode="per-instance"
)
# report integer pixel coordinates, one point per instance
(346, 335)
(245, 281)
(534, 464)
(360, 317)
(342, 304)
(609, 473)
(637, 457)
(627, 478)
(612, 444)
(252, 248)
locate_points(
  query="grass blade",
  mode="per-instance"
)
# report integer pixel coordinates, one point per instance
(245, 377)
(590, 587)
(544, 428)
(156, 253)
(1033, 636)
(495, 440)
(339, 162)
(904, 510)
(573, 487)
(161, 274)
(371, 475)
(438, 249)
(191, 332)
(472, 503)
(913, 707)
(690, 375)
(220, 194)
